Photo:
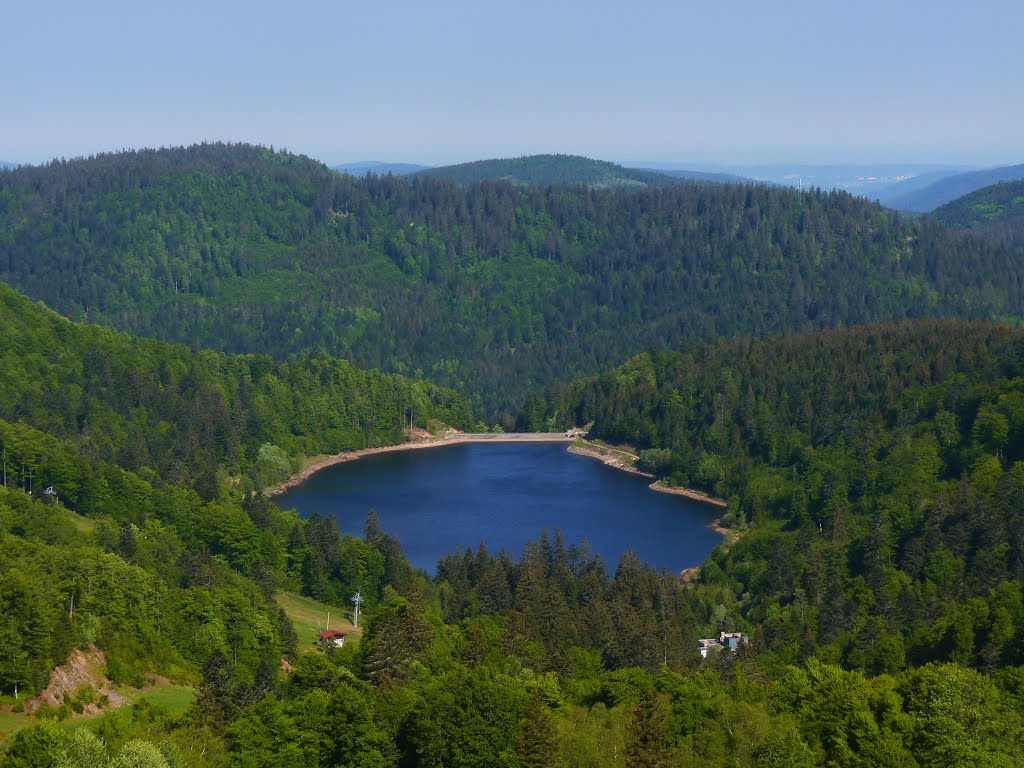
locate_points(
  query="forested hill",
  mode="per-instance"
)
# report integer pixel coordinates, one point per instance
(997, 204)
(492, 288)
(545, 170)
(205, 420)
(880, 472)
(723, 178)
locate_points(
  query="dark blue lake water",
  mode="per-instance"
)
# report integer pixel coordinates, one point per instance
(504, 494)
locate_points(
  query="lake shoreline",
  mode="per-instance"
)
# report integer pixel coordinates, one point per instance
(459, 438)
(617, 457)
(693, 495)
(606, 456)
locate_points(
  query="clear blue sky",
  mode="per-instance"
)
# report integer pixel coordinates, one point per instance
(439, 81)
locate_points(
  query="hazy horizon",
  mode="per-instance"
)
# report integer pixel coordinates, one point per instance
(810, 83)
(655, 163)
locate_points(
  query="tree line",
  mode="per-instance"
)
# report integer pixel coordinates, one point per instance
(492, 288)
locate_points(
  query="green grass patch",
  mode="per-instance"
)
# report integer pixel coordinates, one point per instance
(176, 698)
(81, 524)
(309, 616)
(11, 723)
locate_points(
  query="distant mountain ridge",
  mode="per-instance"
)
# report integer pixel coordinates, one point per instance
(714, 176)
(378, 168)
(948, 189)
(870, 180)
(544, 170)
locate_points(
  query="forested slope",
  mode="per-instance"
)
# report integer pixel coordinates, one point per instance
(199, 418)
(881, 470)
(998, 204)
(880, 587)
(881, 593)
(545, 170)
(127, 524)
(492, 288)
(949, 188)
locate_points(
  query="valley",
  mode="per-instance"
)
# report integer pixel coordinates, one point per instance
(833, 388)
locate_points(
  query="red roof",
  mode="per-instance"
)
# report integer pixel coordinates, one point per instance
(330, 634)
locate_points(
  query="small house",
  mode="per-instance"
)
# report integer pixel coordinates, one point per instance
(725, 641)
(330, 638)
(706, 645)
(733, 640)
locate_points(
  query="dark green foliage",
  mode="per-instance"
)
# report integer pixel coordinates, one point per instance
(492, 288)
(1000, 201)
(467, 719)
(165, 411)
(995, 207)
(536, 745)
(647, 746)
(559, 599)
(399, 635)
(881, 470)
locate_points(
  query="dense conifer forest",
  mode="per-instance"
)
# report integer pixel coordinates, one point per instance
(202, 419)
(993, 207)
(879, 472)
(874, 475)
(492, 288)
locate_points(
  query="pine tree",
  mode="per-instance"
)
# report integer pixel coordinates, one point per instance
(536, 745)
(647, 739)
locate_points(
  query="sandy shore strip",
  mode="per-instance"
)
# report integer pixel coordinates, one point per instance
(703, 498)
(324, 462)
(613, 457)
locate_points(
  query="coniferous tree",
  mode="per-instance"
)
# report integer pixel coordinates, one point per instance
(647, 745)
(536, 745)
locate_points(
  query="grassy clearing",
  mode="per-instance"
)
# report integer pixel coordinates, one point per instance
(309, 616)
(176, 698)
(11, 722)
(82, 524)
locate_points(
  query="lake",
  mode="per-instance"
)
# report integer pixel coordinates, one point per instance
(504, 494)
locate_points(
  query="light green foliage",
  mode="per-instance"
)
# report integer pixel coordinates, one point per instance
(44, 746)
(958, 718)
(139, 754)
(468, 719)
(272, 465)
